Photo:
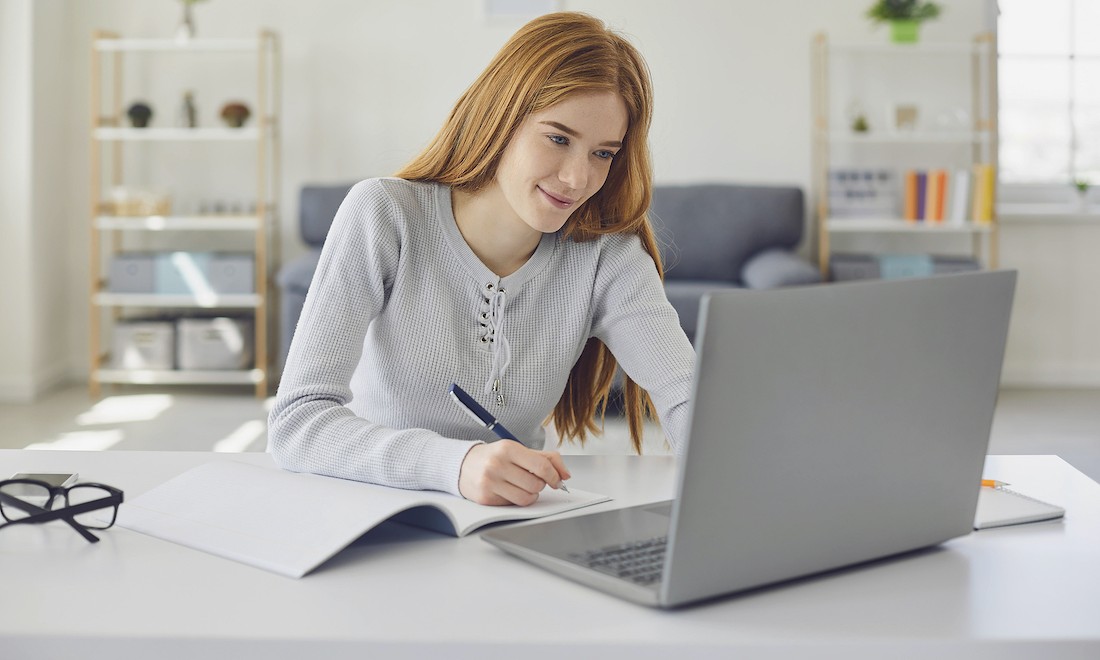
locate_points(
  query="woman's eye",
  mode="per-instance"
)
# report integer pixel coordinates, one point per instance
(559, 139)
(605, 155)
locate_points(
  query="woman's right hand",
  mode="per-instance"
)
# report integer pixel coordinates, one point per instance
(507, 472)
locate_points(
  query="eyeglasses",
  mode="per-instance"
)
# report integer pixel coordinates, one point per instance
(87, 506)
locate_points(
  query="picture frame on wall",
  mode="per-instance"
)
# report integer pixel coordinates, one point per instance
(904, 116)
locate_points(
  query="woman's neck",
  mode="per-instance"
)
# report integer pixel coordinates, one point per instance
(502, 241)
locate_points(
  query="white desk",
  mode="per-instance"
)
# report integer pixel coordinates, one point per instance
(1025, 592)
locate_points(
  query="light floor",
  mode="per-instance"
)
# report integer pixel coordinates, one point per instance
(1062, 422)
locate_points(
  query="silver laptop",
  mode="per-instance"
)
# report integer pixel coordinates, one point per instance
(830, 425)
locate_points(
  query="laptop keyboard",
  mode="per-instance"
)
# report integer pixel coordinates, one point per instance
(641, 562)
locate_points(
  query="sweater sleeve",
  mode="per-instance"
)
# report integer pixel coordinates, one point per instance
(634, 318)
(310, 428)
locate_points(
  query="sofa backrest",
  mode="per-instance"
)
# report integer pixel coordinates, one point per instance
(707, 231)
(317, 207)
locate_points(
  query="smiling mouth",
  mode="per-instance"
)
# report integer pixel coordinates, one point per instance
(560, 202)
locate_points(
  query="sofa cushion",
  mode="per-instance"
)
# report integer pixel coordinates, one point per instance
(775, 268)
(708, 231)
(684, 296)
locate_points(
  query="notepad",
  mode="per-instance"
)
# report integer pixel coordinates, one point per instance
(998, 507)
(290, 523)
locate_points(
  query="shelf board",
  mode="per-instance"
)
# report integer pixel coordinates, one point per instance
(917, 137)
(178, 377)
(179, 222)
(211, 301)
(250, 45)
(920, 48)
(841, 225)
(108, 134)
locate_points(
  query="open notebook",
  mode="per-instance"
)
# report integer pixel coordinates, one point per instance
(999, 507)
(290, 523)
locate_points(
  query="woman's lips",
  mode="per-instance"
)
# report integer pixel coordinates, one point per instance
(560, 202)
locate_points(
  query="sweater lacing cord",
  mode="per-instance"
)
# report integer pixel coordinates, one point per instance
(492, 323)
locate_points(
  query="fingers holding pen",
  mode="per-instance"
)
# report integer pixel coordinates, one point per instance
(509, 473)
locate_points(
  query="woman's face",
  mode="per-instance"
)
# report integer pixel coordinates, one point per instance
(560, 157)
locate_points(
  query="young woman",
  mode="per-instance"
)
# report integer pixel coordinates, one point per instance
(512, 257)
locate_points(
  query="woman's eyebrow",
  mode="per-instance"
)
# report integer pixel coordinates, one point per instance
(568, 131)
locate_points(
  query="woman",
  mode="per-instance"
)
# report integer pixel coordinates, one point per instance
(512, 257)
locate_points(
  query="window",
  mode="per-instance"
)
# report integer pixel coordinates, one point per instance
(1049, 80)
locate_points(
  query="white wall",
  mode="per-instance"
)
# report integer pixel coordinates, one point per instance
(35, 188)
(1055, 331)
(16, 28)
(367, 82)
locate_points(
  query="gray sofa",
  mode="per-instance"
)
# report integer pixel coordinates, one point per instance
(712, 236)
(722, 236)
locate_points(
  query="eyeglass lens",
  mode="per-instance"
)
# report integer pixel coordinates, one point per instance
(97, 518)
(34, 494)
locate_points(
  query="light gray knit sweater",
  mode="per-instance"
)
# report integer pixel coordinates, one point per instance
(400, 307)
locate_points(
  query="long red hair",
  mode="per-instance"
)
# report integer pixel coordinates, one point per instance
(548, 60)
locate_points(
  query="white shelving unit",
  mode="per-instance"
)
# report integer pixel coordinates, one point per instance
(108, 134)
(980, 56)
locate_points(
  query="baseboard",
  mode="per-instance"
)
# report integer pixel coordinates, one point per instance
(26, 390)
(1050, 377)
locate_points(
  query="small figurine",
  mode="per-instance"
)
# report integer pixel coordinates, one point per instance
(189, 114)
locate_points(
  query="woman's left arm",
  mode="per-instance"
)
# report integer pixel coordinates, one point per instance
(633, 317)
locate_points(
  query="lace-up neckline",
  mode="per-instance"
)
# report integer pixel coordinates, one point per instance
(491, 321)
(495, 291)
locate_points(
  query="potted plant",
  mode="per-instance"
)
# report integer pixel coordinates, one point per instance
(904, 17)
(235, 114)
(1082, 186)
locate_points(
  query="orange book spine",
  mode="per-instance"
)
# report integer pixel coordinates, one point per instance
(941, 202)
(934, 203)
(910, 196)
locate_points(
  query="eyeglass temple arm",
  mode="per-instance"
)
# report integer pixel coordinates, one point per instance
(38, 514)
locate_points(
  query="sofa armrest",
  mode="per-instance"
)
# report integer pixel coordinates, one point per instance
(774, 268)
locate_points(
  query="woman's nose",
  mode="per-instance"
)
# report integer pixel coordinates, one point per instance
(574, 173)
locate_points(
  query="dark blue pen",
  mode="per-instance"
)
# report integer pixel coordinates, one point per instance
(482, 416)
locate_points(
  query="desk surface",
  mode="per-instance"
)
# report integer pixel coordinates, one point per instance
(404, 592)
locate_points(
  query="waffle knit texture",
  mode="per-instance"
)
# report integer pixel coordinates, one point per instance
(400, 307)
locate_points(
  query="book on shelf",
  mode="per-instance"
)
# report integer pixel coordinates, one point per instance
(922, 194)
(981, 210)
(911, 214)
(862, 193)
(960, 197)
(939, 195)
(936, 192)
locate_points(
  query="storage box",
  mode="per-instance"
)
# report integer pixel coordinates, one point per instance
(143, 345)
(844, 267)
(198, 273)
(132, 273)
(230, 272)
(214, 343)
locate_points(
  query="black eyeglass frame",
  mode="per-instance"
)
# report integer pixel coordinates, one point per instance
(39, 514)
